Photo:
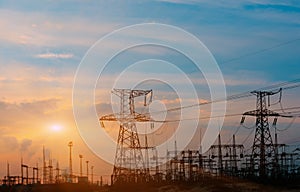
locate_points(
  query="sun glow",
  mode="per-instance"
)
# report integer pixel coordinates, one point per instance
(56, 128)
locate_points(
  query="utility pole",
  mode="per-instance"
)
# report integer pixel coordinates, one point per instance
(276, 146)
(22, 174)
(220, 161)
(70, 144)
(147, 156)
(44, 167)
(92, 179)
(57, 173)
(37, 173)
(80, 156)
(50, 170)
(87, 170)
(234, 154)
(263, 148)
(8, 174)
(129, 164)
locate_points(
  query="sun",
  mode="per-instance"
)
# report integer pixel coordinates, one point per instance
(56, 128)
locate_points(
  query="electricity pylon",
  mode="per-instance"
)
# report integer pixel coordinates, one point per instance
(129, 163)
(263, 149)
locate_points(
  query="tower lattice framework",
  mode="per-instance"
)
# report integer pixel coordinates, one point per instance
(129, 164)
(263, 150)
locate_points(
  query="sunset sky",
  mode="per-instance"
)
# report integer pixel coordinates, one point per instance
(256, 43)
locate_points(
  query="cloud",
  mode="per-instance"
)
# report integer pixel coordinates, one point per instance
(21, 82)
(8, 143)
(40, 106)
(181, 1)
(25, 144)
(27, 113)
(41, 29)
(233, 3)
(55, 55)
(171, 101)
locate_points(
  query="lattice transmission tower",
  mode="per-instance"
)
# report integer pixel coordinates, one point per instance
(263, 158)
(129, 166)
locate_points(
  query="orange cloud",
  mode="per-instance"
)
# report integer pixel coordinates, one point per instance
(55, 55)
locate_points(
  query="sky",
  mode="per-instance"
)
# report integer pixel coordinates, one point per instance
(255, 43)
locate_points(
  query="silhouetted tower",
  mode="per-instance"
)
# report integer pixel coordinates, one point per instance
(263, 148)
(276, 146)
(57, 173)
(8, 174)
(35, 171)
(234, 167)
(129, 164)
(23, 166)
(220, 160)
(87, 169)
(70, 144)
(44, 167)
(50, 170)
(92, 174)
(80, 156)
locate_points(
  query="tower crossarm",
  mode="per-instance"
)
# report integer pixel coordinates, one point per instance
(137, 117)
(266, 93)
(109, 117)
(265, 112)
(138, 93)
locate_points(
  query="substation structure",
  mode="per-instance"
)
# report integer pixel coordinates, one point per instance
(267, 160)
(49, 174)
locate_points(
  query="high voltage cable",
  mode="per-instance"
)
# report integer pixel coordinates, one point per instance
(237, 96)
(278, 85)
(229, 98)
(261, 51)
(212, 117)
(237, 130)
(198, 118)
(290, 108)
(245, 94)
(287, 127)
(248, 136)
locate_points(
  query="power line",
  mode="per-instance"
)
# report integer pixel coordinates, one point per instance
(237, 130)
(287, 127)
(198, 118)
(261, 51)
(252, 127)
(213, 117)
(248, 136)
(229, 98)
(236, 96)
(285, 109)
